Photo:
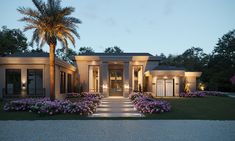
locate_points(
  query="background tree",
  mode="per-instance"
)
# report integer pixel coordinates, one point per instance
(86, 50)
(221, 65)
(67, 56)
(114, 49)
(12, 41)
(193, 59)
(51, 23)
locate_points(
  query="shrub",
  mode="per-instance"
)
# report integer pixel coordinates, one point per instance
(147, 104)
(86, 106)
(193, 94)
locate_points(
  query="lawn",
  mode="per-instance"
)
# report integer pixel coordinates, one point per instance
(211, 108)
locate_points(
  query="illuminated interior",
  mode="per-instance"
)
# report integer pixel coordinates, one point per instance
(137, 78)
(94, 79)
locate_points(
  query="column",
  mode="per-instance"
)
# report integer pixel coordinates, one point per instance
(104, 79)
(126, 79)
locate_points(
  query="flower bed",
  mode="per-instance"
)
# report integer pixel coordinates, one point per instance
(193, 94)
(215, 93)
(146, 104)
(202, 94)
(86, 106)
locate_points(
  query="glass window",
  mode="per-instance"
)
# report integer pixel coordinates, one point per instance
(137, 78)
(13, 81)
(62, 81)
(69, 84)
(93, 78)
(35, 81)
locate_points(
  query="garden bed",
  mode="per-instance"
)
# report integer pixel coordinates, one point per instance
(146, 104)
(44, 106)
(202, 94)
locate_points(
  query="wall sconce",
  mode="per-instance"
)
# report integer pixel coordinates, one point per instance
(126, 86)
(23, 86)
(105, 86)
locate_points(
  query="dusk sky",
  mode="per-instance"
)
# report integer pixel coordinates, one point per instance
(154, 26)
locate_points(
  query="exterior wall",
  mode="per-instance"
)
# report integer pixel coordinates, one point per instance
(178, 76)
(23, 69)
(34, 63)
(104, 62)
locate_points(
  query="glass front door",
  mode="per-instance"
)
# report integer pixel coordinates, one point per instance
(116, 82)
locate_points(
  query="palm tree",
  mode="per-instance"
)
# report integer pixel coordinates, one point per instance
(51, 23)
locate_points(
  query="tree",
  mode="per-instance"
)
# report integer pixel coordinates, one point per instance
(51, 23)
(193, 59)
(114, 49)
(86, 50)
(221, 65)
(67, 56)
(12, 41)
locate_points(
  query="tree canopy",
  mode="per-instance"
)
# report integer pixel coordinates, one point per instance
(12, 41)
(86, 50)
(114, 49)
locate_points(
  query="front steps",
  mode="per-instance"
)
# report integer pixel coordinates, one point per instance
(116, 107)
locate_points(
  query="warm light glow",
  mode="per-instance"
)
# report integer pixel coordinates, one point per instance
(126, 86)
(105, 86)
(165, 77)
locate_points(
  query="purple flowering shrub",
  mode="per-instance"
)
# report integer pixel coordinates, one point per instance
(193, 94)
(215, 93)
(86, 106)
(146, 104)
(202, 94)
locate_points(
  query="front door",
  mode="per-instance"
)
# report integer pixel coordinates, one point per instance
(116, 82)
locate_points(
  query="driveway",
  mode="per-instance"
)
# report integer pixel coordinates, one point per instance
(117, 130)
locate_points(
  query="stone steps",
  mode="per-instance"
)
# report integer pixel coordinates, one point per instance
(116, 107)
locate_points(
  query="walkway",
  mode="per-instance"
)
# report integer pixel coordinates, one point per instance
(117, 130)
(116, 107)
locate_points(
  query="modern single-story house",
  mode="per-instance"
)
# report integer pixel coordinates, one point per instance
(27, 74)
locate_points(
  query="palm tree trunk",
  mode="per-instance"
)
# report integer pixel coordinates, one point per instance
(52, 71)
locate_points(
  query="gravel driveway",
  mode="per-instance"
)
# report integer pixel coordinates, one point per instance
(117, 130)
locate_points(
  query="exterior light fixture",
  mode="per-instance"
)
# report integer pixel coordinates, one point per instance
(23, 86)
(165, 77)
(105, 86)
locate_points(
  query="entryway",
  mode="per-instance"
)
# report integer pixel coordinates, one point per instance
(165, 87)
(116, 82)
(116, 106)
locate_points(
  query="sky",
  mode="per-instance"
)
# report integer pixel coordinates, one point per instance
(153, 26)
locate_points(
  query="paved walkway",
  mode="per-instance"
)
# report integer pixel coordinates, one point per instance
(117, 130)
(116, 107)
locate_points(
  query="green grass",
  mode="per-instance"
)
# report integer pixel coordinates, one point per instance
(209, 108)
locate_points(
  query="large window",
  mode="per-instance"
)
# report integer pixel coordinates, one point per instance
(35, 81)
(62, 81)
(13, 81)
(69, 83)
(94, 78)
(137, 78)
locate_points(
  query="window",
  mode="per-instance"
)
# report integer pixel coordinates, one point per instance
(13, 81)
(137, 78)
(35, 81)
(94, 78)
(69, 83)
(62, 81)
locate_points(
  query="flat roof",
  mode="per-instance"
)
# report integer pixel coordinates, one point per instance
(29, 54)
(164, 67)
(115, 54)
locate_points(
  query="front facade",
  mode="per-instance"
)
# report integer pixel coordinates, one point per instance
(109, 74)
(122, 74)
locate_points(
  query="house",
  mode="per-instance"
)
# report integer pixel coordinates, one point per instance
(27, 74)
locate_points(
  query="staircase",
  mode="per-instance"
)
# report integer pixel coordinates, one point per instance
(116, 107)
